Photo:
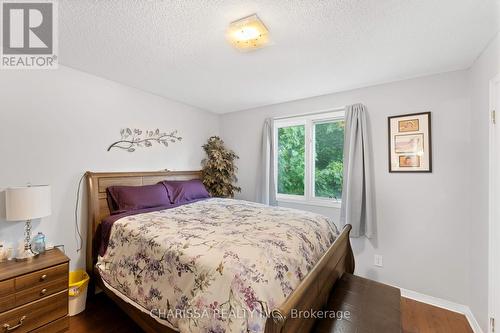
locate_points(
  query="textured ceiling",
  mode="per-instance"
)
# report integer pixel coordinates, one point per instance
(177, 48)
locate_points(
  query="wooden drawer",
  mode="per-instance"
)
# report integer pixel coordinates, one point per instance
(58, 326)
(36, 314)
(7, 302)
(7, 287)
(40, 291)
(41, 277)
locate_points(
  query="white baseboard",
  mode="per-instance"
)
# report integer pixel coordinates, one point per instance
(442, 303)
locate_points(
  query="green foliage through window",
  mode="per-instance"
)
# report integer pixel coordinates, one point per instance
(327, 160)
(329, 171)
(291, 145)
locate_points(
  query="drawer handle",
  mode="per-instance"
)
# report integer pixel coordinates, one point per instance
(8, 328)
(43, 277)
(43, 292)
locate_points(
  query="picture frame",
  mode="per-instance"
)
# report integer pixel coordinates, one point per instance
(410, 143)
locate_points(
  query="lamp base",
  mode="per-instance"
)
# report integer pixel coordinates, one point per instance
(27, 255)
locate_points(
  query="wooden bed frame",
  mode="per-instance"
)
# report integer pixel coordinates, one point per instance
(311, 294)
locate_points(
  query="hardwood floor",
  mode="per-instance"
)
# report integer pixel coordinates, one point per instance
(103, 316)
(419, 317)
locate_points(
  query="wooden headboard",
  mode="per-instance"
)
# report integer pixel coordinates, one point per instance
(98, 182)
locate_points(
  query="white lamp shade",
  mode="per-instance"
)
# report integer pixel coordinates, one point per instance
(27, 203)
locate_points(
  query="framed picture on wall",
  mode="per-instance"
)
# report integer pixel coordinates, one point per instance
(410, 146)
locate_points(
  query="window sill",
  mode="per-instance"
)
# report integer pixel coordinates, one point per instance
(321, 203)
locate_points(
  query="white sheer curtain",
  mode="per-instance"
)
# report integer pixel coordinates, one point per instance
(266, 189)
(357, 198)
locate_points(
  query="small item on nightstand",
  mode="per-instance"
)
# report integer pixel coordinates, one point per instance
(10, 252)
(4, 253)
(38, 244)
(21, 251)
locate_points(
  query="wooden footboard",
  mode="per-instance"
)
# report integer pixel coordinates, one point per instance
(312, 293)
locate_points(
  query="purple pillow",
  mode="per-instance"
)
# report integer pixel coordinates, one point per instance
(180, 191)
(126, 198)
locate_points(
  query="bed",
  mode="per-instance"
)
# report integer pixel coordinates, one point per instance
(307, 291)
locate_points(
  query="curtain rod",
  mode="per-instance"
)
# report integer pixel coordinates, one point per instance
(342, 108)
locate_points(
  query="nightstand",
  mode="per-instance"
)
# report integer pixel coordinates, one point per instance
(34, 294)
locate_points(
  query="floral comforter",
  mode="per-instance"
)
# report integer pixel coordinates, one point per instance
(217, 265)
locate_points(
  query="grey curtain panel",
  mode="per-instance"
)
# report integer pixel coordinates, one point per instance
(266, 189)
(357, 198)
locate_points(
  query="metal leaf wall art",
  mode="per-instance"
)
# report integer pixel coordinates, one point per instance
(131, 139)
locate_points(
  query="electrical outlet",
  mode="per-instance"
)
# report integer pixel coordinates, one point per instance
(377, 260)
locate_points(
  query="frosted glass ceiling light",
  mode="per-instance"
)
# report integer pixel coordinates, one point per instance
(248, 33)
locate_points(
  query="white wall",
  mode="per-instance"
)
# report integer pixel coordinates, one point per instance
(423, 219)
(55, 125)
(486, 67)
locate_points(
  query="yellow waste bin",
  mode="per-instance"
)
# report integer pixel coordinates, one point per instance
(78, 282)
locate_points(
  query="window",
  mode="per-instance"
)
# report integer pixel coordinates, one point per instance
(291, 159)
(309, 158)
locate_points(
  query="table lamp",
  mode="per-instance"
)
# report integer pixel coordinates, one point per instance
(25, 204)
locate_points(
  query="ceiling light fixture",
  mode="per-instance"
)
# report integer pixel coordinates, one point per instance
(248, 33)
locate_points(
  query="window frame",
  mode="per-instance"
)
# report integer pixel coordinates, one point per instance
(309, 122)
